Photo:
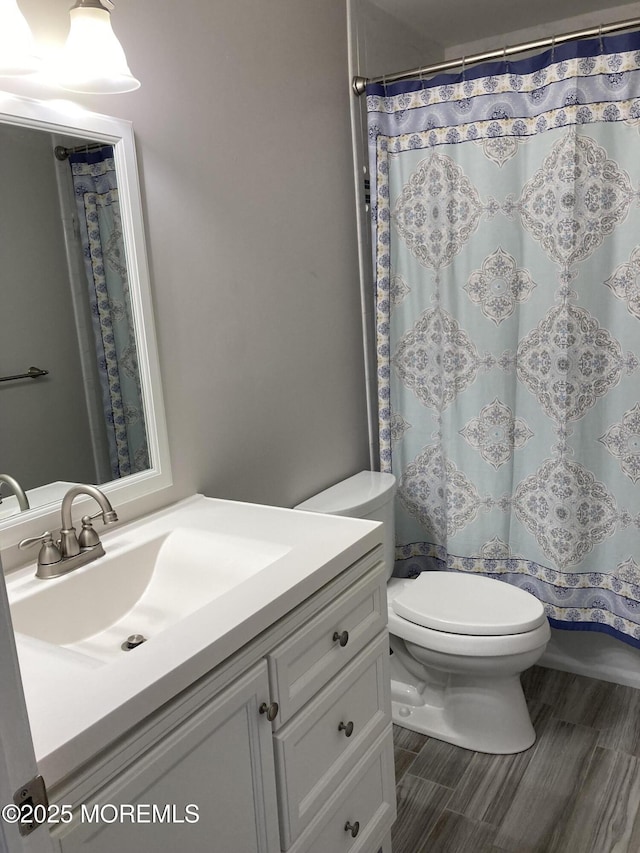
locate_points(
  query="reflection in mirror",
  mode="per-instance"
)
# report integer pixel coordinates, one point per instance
(106, 287)
(81, 400)
(18, 492)
(66, 309)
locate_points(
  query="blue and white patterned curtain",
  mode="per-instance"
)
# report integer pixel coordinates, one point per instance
(506, 229)
(96, 193)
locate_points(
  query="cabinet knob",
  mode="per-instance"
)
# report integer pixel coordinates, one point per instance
(354, 828)
(271, 710)
(342, 638)
(347, 728)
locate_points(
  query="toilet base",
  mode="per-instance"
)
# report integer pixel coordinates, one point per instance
(488, 715)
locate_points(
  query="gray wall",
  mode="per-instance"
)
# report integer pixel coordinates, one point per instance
(563, 24)
(378, 44)
(242, 128)
(383, 44)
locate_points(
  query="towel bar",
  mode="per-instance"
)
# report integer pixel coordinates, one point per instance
(32, 373)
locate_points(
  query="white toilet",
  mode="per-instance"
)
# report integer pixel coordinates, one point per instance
(459, 641)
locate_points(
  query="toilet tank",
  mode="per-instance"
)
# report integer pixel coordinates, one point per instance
(368, 494)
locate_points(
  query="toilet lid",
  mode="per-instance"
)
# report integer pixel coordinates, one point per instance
(461, 603)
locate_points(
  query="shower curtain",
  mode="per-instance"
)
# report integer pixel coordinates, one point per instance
(96, 192)
(506, 235)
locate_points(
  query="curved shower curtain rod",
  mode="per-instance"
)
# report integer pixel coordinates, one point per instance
(359, 84)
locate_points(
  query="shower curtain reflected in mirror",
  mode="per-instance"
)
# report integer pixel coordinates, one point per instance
(506, 233)
(96, 194)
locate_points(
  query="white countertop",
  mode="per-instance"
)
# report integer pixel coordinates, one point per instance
(78, 706)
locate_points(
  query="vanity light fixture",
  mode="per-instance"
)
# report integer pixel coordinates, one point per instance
(17, 50)
(92, 60)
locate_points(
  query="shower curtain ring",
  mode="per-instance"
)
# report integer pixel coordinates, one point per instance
(464, 67)
(421, 78)
(553, 49)
(600, 39)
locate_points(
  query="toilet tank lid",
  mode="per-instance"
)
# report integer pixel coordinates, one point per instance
(358, 496)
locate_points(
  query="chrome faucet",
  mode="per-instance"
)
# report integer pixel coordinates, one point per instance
(71, 550)
(18, 491)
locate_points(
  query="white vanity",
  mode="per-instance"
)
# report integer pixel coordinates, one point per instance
(255, 717)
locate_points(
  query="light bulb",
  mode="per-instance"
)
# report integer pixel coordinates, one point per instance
(92, 60)
(17, 52)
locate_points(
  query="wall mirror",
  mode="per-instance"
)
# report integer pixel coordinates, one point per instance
(80, 394)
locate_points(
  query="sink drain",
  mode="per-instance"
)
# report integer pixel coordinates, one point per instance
(133, 642)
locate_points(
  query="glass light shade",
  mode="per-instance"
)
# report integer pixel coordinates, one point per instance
(17, 53)
(92, 59)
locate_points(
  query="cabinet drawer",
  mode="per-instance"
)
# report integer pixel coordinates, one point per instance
(365, 801)
(312, 655)
(313, 754)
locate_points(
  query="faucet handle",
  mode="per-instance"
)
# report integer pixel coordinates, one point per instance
(49, 552)
(88, 537)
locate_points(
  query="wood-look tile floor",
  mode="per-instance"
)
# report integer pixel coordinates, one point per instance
(576, 790)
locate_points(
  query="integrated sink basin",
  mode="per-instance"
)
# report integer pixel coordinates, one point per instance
(138, 588)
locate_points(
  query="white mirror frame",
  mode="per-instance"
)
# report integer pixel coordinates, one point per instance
(65, 117)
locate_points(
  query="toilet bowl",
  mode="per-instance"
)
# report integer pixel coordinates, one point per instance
(459, 641)
(455, 675)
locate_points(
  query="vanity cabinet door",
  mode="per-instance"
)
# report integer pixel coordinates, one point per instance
(219, 760)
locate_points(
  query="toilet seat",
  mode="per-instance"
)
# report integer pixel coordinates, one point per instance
(461, 603)
(449, 642)
(468, 645)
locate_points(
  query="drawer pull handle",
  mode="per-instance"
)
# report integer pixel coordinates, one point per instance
(270, 710)
(354, 829)
(347, 728)
(342, 638)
